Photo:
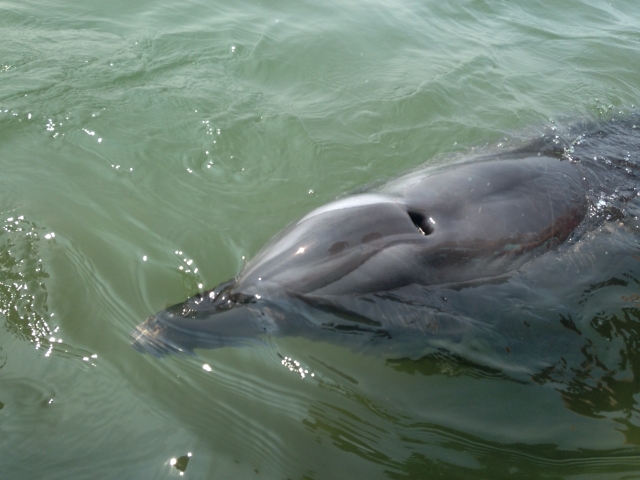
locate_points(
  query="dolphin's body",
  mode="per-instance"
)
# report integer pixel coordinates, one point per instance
(365, 264)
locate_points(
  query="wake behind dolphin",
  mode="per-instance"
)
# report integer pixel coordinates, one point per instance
(371, 266)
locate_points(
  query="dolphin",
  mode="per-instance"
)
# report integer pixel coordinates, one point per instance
(368, 265)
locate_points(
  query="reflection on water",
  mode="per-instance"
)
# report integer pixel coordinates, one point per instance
(443, 362)
(23, 295)
(23, 292)
(608, 377)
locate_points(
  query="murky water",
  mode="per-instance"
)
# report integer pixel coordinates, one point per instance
(148, 149)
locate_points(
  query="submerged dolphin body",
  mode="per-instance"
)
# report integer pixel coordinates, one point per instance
(366, 265)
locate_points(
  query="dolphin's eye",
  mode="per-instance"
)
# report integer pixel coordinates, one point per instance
(338, 247)
(424, 225)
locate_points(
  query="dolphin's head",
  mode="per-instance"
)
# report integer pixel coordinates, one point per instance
(271, 296)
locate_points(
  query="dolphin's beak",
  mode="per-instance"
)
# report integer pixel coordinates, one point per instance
(169, 331)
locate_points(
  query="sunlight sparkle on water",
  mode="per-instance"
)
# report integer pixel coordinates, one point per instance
(295, 367)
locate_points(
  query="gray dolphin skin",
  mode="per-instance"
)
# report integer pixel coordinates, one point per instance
(365, 266)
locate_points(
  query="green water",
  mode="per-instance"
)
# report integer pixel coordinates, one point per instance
(163, 143)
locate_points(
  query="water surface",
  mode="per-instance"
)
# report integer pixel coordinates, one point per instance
(147, 149)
